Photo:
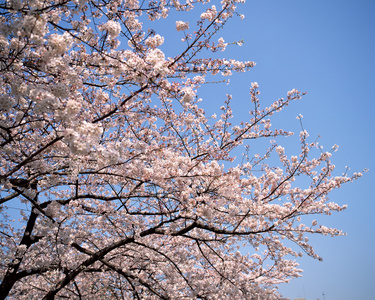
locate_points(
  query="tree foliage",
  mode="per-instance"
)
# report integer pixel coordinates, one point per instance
(125, 188)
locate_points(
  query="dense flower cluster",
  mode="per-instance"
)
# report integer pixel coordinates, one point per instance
(125, 188)
(181, 25)
(209, 14)
(154, 41)
(112, 28)
(59, 43)
(188, 95)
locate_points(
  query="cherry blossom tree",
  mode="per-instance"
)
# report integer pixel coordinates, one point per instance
(124, 187)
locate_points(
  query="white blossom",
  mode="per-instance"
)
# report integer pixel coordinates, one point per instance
(222, 44)
(59, 43)
(154, 41)
(181, 25)
(209, 14)
(113, 28)
(188, 95)
(155, 56)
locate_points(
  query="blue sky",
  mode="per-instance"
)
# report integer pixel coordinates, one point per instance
(326, 48)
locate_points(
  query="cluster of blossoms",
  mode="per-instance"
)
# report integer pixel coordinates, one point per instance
(59, 43)
(125, 188)
(221, 44)
(72, 108)
(210, 14)
(44, 100)
(181, 25)
(156, 58)
(113, 28)
(189, 95)
(154, 41)
(82, 139)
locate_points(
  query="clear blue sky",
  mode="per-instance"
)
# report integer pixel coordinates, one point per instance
(326, 48)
